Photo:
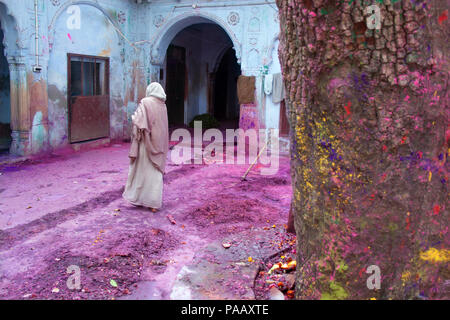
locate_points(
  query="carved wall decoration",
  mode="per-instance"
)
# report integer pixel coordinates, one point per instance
(158, 21)
(253, 41)
(233, 18)
(254, 25)
(121, 17)
(163, 37)
(255, 11)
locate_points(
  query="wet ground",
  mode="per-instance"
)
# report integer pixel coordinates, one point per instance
(67, 210)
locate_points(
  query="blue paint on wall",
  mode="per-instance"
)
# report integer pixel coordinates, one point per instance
(5, 109)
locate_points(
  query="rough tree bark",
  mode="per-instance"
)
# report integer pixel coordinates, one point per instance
(291, 224)
(369, 117)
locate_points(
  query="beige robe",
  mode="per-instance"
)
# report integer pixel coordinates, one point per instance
(149, 147)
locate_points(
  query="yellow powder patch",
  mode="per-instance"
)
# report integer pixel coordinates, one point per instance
(105, 52)
(435, 255)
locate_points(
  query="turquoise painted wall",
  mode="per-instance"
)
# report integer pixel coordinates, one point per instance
(5, 110)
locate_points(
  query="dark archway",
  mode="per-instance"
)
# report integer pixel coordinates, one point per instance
(176, 84)
(199, 57)
(5, 101)
(225, 101)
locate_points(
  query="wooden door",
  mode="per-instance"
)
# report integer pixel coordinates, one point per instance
(88, 97)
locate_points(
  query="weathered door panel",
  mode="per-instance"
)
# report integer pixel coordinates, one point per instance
(88, 96)
(89, 118)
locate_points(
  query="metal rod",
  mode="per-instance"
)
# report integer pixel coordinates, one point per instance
(244, 177)
(37, 67)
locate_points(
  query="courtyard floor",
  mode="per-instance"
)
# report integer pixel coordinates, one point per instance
(209, 241)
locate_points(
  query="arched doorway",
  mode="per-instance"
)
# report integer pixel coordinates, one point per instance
(194, 53)
(201, 74)
(5, 100)
(14, 106)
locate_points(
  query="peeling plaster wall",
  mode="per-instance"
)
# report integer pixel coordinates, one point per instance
(38, 109)
(16, 43)
(5, 109)
(39, 116)
(38, 99)
(96, 37)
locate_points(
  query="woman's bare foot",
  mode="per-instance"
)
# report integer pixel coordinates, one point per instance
(153, 210)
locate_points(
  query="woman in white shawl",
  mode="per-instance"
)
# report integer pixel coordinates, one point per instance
(148, 151)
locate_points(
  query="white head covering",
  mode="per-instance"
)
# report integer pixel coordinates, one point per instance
(156, 90)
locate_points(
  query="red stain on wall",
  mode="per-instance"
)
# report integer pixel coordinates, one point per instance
(436, 209)
(443, 17)
(347, 108)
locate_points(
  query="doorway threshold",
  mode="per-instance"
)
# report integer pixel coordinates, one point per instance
(90, 144)
(8, 158)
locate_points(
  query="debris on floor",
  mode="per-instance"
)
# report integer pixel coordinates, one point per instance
(276, 280)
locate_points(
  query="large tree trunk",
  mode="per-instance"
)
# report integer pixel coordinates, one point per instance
(291, 224)
(369, 113)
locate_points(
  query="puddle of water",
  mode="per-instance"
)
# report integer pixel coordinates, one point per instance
(161, 287)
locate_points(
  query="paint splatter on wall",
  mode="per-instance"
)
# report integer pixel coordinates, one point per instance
(249, 117)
